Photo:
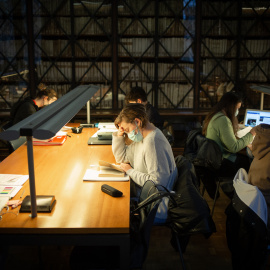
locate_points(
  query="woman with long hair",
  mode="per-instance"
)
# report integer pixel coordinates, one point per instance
(221, 125)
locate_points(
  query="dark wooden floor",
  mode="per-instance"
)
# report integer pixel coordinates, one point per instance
(201, 253)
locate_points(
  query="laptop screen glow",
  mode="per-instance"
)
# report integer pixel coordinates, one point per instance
(256, 117)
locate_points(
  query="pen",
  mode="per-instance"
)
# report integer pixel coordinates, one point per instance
(12, 179)
(22, 194)
(68, 135)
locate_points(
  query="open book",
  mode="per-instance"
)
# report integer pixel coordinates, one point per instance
(105, 172)
(107, 169)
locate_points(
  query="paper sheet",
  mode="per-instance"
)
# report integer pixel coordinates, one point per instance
(9, 191)
(13, 179)
(243, 132)
(10, 184)
(65, 128)
(3, 201)
(106, 125)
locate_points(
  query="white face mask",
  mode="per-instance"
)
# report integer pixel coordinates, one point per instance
(236, 113)
(135, 137)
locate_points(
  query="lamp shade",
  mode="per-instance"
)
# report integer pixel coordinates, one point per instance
(261, 88)
(45, 123)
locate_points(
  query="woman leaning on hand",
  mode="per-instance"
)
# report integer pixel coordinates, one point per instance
(148, 157)
(221, 125)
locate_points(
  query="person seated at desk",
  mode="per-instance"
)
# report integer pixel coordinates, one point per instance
(259, 172)
(29, 106)
(221, 125)
(148, 157)
(138, 95)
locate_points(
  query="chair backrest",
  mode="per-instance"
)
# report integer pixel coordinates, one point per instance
(202, 152)
(251, 197)
(191, 214)
(149, 201)
(206, 156)
(148, 189)
(142, 221)
(246, 225)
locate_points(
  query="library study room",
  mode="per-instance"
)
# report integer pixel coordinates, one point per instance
(135, 134)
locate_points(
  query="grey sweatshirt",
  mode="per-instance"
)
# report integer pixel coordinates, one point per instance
(150, 159)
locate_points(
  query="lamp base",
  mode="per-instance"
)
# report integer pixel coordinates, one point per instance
(45, 203)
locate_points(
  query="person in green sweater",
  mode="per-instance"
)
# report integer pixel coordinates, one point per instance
(221, 125)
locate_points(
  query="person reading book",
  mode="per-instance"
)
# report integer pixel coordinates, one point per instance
(148, 157)
(221, 125)
(29, 106)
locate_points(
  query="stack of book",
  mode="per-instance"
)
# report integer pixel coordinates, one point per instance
(58, 139)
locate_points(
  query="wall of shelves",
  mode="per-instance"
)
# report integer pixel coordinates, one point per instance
(234, 48)
(184, 59)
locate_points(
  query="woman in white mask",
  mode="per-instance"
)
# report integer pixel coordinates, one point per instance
(221, 125)
(148, 157)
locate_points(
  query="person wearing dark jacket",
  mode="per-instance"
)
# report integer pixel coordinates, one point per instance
(29, 106)
(138, 95)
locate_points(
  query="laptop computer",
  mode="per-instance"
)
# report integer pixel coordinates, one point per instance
(256, 117)
(95, 140)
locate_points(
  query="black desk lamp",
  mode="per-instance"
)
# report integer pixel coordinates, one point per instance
(45, 123)
(263, 89)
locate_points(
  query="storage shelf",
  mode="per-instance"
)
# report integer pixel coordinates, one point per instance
(116, 40)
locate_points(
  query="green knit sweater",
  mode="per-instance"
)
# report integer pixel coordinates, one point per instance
(220, 130)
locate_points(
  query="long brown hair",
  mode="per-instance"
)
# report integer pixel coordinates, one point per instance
(228, 104)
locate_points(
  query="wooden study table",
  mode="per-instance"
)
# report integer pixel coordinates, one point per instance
(83, 214)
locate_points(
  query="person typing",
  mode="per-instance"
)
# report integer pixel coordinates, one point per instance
(221, 125)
